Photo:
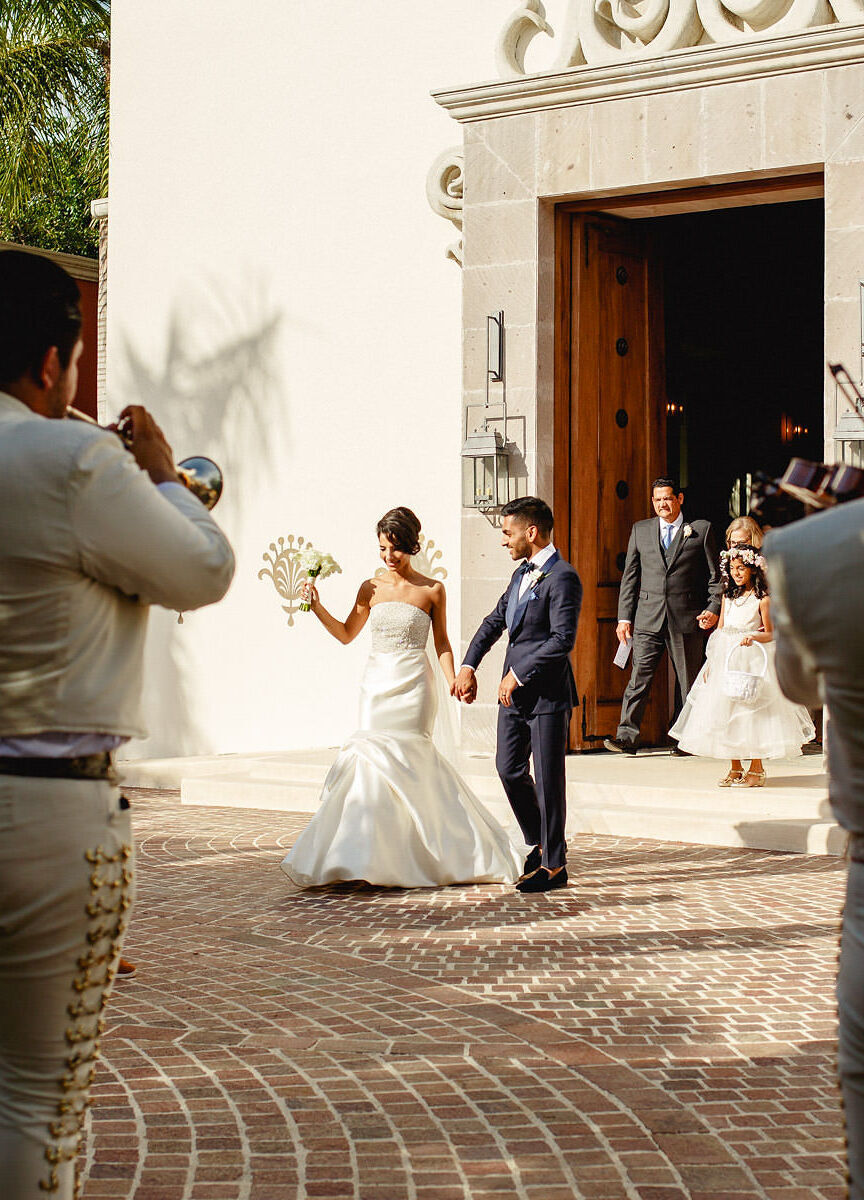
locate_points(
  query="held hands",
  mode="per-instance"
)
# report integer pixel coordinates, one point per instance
(464, 686)
(707, 620)
(747, 640)
(148, 444)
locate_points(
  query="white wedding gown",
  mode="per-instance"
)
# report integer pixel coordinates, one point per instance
(393, 812)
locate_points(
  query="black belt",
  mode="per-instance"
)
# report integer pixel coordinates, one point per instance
(86, 766)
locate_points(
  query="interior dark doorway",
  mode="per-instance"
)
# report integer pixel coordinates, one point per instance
(743, 299)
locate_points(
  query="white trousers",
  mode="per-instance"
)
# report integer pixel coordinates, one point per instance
(66, 881)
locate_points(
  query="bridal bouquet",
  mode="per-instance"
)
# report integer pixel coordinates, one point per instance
(317, 565)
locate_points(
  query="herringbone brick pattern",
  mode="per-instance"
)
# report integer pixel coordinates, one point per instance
(662, 1030)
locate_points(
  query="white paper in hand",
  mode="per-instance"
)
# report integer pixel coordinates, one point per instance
(622, 654)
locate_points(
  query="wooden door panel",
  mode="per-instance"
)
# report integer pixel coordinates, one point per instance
(617, 445)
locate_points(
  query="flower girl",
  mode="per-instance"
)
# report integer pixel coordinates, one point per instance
(735, 708)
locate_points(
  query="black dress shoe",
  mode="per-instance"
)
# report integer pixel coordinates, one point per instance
(618, 746)
(532, 863)
(677, 752)
(542, 881)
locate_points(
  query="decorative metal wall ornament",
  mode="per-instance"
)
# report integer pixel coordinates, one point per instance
(285, 571)
(605, 31)
(444, 191)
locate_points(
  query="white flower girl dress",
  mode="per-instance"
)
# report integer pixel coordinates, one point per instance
(713, 724)
(393, 811)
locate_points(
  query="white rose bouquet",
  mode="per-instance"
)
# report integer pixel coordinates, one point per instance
(317, 565)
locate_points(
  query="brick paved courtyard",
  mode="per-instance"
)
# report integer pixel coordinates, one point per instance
(663, 1029)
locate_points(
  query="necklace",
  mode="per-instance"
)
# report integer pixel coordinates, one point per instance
(740, 601)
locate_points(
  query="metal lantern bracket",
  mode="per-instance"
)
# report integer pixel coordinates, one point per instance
(486, 439)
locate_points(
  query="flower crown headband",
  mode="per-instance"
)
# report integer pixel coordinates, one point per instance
(747, 554)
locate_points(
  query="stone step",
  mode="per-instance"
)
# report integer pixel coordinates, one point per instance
(655, 797)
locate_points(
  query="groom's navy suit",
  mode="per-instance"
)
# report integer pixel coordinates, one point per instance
(542, 631)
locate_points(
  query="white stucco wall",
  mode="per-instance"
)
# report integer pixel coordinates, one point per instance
(278, 294)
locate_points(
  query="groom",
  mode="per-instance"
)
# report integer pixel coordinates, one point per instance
(539, 610)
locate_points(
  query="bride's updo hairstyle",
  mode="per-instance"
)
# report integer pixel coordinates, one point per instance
(402, 528)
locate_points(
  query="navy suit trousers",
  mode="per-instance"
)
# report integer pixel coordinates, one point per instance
(540, 808)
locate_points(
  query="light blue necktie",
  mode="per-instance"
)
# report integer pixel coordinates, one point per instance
(667, 535)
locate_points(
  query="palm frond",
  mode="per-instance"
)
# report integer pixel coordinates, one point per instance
(54, 75)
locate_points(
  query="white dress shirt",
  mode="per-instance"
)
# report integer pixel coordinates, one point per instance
(674, 526)
(536, 563)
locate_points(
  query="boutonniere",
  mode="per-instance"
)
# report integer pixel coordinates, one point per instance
(687, 531)
(537, 576)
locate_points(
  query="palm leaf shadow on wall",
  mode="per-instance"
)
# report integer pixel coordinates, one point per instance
(215, 390)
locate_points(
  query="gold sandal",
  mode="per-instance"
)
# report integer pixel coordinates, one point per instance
(733, 778)
(752, 779)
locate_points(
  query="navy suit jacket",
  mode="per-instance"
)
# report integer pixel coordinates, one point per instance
(541, 639)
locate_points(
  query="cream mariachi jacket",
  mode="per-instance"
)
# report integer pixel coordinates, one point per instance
(86, 544)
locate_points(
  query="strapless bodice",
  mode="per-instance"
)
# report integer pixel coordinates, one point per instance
(743, 614)
(398, 626)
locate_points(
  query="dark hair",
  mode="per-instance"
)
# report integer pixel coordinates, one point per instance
(40, 307)
(666, 481)
(532, 510)
(402, 527)
(757, 577)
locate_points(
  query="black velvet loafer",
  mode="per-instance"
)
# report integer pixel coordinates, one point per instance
(542, 881)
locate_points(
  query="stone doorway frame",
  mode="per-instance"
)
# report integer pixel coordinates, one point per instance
(636, 205)
(709, 117)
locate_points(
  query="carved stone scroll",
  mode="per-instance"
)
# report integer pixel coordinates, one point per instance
(735, 20)
(606, 31)
(444, 191)
(620, 29)
(520, 29)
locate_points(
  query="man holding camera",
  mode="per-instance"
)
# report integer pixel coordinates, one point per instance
(816, 569)
(87, 544)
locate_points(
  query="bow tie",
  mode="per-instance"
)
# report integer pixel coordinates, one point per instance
(526, 569)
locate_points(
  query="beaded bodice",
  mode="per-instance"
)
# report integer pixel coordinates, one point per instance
(397, 625)
(743, 613)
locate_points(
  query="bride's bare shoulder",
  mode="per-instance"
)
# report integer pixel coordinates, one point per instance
(419, 580)
(366, 591)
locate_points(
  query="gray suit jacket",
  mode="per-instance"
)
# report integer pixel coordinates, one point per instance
(676, 588)
(816, 571)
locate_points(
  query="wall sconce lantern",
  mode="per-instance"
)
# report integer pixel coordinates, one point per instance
(849, 430)
(484, 470)
(485, 473)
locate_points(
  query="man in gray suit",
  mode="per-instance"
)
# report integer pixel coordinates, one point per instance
(669, 598)
(816, 573)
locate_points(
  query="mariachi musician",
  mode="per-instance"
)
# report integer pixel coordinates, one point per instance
(87, 543)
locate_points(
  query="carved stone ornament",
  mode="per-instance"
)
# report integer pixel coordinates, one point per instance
(444, 185)
(604, 31)
(426, 560)
(285, 572)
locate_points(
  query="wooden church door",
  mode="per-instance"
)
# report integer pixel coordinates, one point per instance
(610, 443)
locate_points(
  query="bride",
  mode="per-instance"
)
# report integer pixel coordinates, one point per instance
(393, 812)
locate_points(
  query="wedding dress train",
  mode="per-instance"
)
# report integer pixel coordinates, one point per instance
(393, 811)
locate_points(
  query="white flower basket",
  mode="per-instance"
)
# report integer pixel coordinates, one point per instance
(744, 685)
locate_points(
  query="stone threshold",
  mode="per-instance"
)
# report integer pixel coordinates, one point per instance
(652, 795)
